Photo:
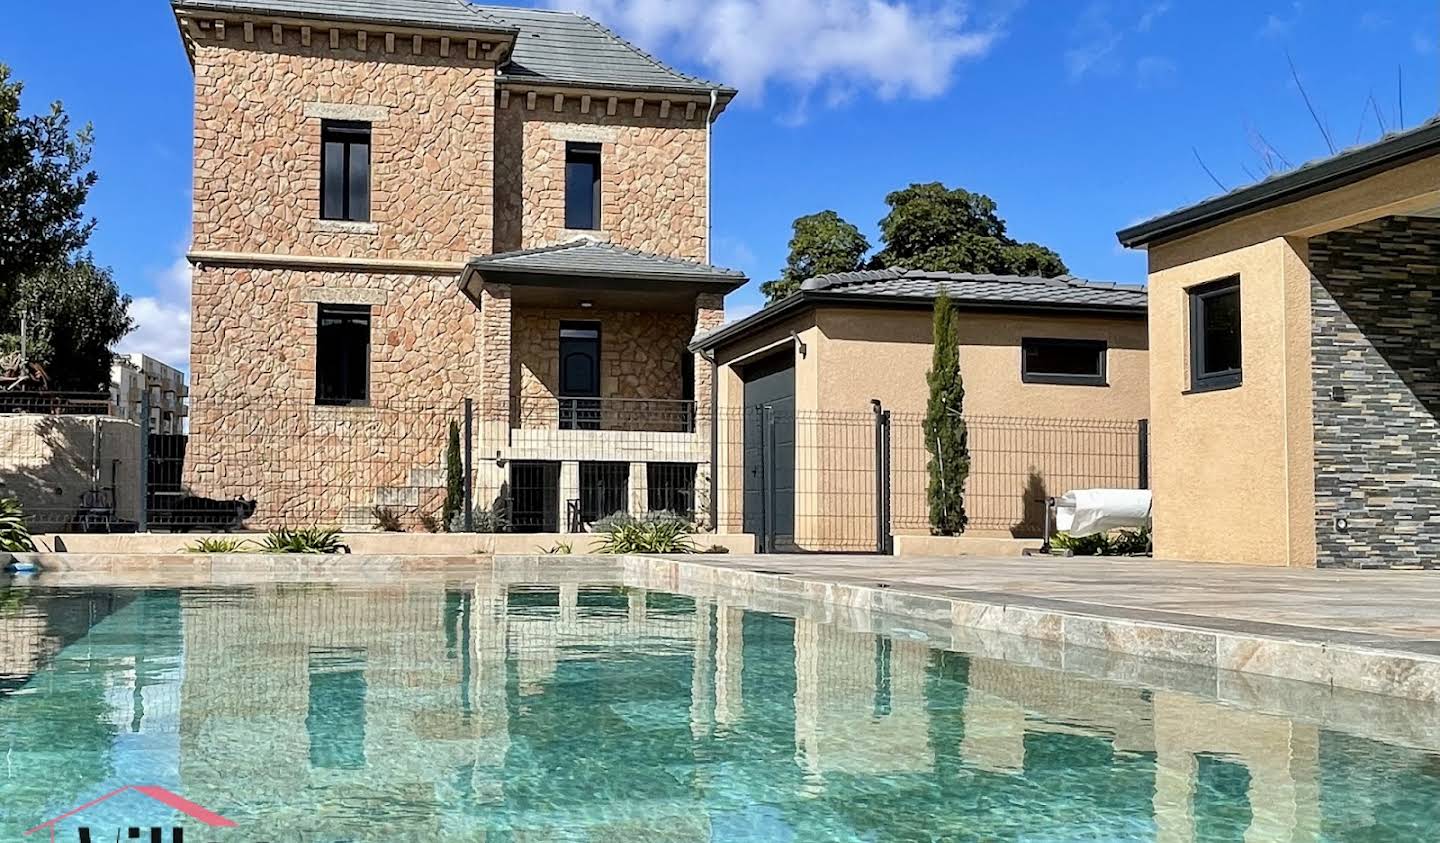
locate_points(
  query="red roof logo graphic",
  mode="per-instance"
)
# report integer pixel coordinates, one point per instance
(159, 794)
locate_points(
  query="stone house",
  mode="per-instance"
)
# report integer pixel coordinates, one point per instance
(1056, 387)
(402, 205)
(1295, 364)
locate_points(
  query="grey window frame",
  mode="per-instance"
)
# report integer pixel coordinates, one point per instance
(347, 133)
(321, 311)
(1060, 378)
(590, 153)
(1198, 298)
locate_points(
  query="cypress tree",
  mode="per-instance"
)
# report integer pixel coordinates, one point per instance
(945, 435)
(454, 480)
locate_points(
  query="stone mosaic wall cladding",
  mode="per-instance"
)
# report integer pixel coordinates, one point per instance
(640, 358)
(1376, 368)
(258, 112)
(652, 173)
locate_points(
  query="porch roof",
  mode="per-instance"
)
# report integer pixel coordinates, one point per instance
(600, 265)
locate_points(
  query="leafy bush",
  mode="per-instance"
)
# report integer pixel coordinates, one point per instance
(492, 519)
(218, 545)
(309, 540)
(658, 532)
(430, 522)
(1123, 543)
(559, 549)
(14, 535)
(387, 519)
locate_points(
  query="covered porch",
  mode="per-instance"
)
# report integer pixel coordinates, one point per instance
(592, 402)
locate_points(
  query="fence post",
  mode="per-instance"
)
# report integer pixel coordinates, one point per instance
(469, 465)
(1144, 434)
(882, 477)
(142, 519)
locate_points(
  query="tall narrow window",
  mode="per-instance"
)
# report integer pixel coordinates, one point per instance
(345, 171)
(604, 489)
(670, 487)
(1215, 347)
(342, 354)
(582, 185)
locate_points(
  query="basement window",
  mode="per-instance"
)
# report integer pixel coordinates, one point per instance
(670, 487)
(345, 171)
(582, 186)
(342, 354)
(1215, 346)
(604, 489)
(1067, 362)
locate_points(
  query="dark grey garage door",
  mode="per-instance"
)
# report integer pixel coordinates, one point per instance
(770, 452)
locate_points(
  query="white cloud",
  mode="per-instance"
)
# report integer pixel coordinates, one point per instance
(163, 319)
(1098, 35)
(893, 48)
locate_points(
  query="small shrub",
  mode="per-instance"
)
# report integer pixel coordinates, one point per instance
(454, 480)
(430, 523)
(493, 519)
(314, 540)
(659, 532)
(387, 519)
(718, 548)
(218, 545)
(559, 549)
(14, 535)
(1123, 543)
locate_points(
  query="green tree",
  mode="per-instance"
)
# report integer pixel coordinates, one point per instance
(44, 181)
(454, 480)
(940, 229)
(946, 437)
(822, 243)
(75, 313)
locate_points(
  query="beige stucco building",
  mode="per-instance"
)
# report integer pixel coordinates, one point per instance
(1056, 388)
(1295, 375)
(352, 163)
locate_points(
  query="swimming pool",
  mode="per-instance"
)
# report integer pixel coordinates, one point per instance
(570, 705)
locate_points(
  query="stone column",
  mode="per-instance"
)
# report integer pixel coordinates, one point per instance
(569, 491)
(495, 321)
(639, 489)
(709, 315)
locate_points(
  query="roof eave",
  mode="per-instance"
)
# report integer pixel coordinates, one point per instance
(1342, 170)
(724, 94)
(499, 30)
(805, 299)
(635, 280)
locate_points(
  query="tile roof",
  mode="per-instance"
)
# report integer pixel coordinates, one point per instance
(587, 258)
(569, 48)
(551, 47)
(441, 14)
(888, 287)
(968, 287)
(1347, 165)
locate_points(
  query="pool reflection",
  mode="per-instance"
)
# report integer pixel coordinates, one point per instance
(503, 711)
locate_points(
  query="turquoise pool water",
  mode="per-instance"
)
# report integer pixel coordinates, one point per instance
(601, 713)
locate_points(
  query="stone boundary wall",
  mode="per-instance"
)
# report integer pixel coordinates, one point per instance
(1375, 344)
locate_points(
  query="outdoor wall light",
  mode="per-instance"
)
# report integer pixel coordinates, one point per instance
(1342, 525)
(586, 304)
(1337, 393)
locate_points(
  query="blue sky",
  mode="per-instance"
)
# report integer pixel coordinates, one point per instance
(1078, 117)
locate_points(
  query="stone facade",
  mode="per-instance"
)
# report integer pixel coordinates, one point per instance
(1375, 358)
(258, 110)
(449, 181)
(652, 176)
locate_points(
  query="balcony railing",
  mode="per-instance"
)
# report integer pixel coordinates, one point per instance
(649, 415)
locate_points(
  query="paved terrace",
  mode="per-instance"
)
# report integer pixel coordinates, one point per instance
(1390, 610)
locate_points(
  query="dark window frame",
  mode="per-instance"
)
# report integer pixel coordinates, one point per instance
(580, 153)
(327, 396)
(1100, 378)
(604, 489)
(1199, 298)
(348, 134)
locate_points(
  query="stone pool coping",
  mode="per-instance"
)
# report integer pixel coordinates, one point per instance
(1354, 661)
(1337, 659)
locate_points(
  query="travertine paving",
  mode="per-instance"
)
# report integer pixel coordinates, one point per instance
(1337, 605)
